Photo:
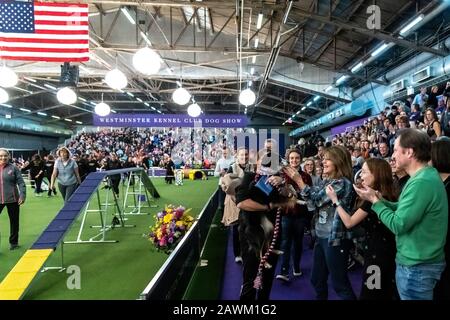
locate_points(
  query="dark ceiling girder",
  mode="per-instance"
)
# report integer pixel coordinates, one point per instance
(327, 44)
(334, 21)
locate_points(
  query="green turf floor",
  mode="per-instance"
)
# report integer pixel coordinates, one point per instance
(108, 271)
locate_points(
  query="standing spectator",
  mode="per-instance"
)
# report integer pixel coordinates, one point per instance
(49, 165)
(293, 223)
(421, 98)
(445, 119)
(419, 219)
(380, 241)
(440, 157)
(310, 168)
(400, 176)
(332, 245)
(37, 169)
(170, 169)
(432, 97)
(114, 164)
(13, 194)
(256, 222)
(221, 169)
(66, 172)
(231, 211)
(433, 126)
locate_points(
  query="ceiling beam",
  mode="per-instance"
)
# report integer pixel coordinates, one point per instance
(308, 91)
(180, 48)
(273, 55)
(337, 22)
(272, 116)
(249, 4)
(265, 107)
(342, 71)
(333, 6)
(347, 19)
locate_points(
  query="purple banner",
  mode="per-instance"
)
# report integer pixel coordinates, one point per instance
(347, 126)
(171, 120)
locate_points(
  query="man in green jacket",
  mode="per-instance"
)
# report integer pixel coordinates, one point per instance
(419, 219)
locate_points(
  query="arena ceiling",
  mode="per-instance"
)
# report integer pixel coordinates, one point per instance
(209, 46)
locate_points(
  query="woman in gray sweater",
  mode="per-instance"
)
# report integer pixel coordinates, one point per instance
(12, 195)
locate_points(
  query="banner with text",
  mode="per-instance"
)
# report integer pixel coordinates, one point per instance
(171, 120)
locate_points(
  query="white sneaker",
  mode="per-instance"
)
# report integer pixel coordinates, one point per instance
(238, 259)
(297, 274)
(283, 277)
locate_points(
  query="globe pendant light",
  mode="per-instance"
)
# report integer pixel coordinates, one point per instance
(102, 109)
(181, 96)
(247, 97)
(8, 78)
(194, 110)
(116, 79)
(66, 96)
(4, 96)
(147, 61)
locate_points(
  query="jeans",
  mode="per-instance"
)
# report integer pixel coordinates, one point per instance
(417, 282)
(292, 231)
(66, 191)
(331, 260)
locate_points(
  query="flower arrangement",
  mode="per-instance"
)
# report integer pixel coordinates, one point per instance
(171, 225)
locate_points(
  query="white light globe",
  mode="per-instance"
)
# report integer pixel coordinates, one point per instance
(102, 109)
(147, 61)
(181, 96)
(4, 96)
(194, 110)
(66, 95)
(8, 78)
(116, 79)
(247, 97)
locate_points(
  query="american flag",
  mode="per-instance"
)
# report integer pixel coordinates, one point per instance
(44, 31)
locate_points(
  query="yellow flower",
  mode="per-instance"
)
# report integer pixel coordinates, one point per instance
(179, 223)
(168, 218)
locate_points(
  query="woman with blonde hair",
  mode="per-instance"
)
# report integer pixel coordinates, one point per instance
(333, 243)
(66, 172)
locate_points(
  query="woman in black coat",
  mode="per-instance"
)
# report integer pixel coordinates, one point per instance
(440, 157)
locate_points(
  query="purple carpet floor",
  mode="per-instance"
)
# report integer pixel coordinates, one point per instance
(299, 288)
